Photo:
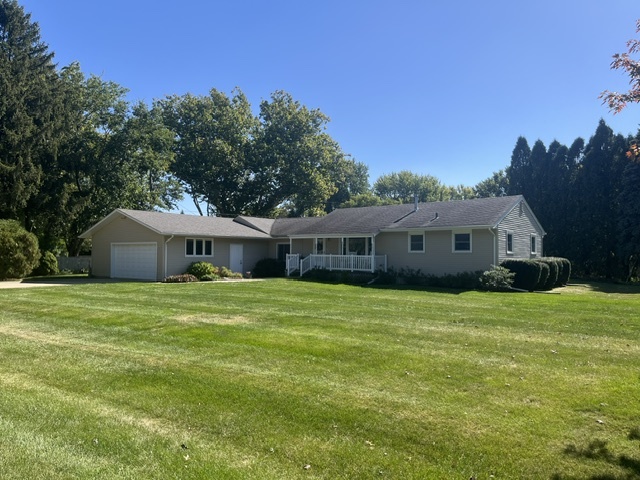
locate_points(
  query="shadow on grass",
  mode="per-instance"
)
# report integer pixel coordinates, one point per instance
(605, 287)
(598, 450)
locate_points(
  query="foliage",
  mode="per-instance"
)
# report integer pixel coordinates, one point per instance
(281, 161)
(624, 61)
(48, 265)
(496, 185)
(200, 269)
(269, 268)
(182, 278)
(554, 272)
(19, 253)
(210, 277)
(545, 272)
(32, 111)
(526, 273)
(497, 279)
(338, 276)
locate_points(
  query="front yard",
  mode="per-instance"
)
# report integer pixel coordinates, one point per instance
(287, 379)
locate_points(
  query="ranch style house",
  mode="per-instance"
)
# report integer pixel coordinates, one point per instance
(436, 237)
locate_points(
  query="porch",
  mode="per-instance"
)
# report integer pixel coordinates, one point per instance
(351, 263)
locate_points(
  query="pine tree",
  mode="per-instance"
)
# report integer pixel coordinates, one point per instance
(30, 107)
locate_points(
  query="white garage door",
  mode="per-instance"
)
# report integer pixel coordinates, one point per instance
(134, 260)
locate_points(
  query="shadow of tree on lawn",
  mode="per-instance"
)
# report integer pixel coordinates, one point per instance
(598, 450)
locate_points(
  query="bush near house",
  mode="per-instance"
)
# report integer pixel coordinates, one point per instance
(200, 269)
(269, 268)
(527, 273)
(497, 279)
(48, 265)
(19, 253)
(539, 274)
(184, 278)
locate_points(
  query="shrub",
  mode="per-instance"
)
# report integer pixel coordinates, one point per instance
(269, 268)
(554, 269)
(19, 253)
(564, 271)
(497, 279)
(225, 272)
(209, 277)
(544, 274)
(527, 273)
(200, 269)
(184, 278)
(48, 265)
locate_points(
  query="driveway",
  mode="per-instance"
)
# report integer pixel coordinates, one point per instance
(52, 282)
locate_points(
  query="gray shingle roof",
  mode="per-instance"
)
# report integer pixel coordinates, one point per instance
(481, 212)
(192, 225)
(371, 220)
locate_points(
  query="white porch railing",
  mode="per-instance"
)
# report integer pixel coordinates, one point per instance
(293, 263)
(352, 263)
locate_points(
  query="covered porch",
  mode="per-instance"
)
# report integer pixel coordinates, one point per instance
(348, 253)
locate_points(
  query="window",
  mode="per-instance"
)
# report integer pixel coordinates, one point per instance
(509, 242)
(198, 247)
(534, 245)
(462, 242)
(319, 246)
(416, 242)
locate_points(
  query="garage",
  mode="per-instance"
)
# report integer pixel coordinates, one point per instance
(136, 261)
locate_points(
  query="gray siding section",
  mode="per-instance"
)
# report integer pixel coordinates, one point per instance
(520, 222)
(121, 230)
(438, 257)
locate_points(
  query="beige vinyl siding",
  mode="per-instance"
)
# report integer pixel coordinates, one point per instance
(121, 230)
(438, 258)
(520, 222)
(178, 261)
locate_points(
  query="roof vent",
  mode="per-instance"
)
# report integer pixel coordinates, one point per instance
(415, 202)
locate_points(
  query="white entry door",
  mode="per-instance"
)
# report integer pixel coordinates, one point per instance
(235, 258)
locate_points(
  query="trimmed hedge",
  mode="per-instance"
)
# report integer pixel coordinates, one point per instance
(527, 273)
(543, 273)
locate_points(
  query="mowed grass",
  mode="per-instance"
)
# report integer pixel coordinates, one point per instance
(287, 379)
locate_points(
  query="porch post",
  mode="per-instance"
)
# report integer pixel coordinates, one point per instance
(372, 253)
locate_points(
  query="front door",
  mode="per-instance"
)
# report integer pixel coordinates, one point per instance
(235, 258)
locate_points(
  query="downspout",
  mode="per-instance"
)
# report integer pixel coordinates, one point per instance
(165, 254)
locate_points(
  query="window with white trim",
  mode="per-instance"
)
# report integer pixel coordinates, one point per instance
(416, 242)
(461, 242)
(509, 241)
(198, 247)
(534, 244)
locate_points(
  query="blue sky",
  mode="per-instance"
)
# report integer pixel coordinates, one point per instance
(435, 87)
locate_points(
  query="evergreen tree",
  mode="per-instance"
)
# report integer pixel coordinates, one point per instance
(595, 193)
(31, 110)
(519, 171)
(629, 217)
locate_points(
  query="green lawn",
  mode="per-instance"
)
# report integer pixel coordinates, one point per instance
(287, 379)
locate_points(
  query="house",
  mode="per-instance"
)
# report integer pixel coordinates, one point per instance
(437, 238)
